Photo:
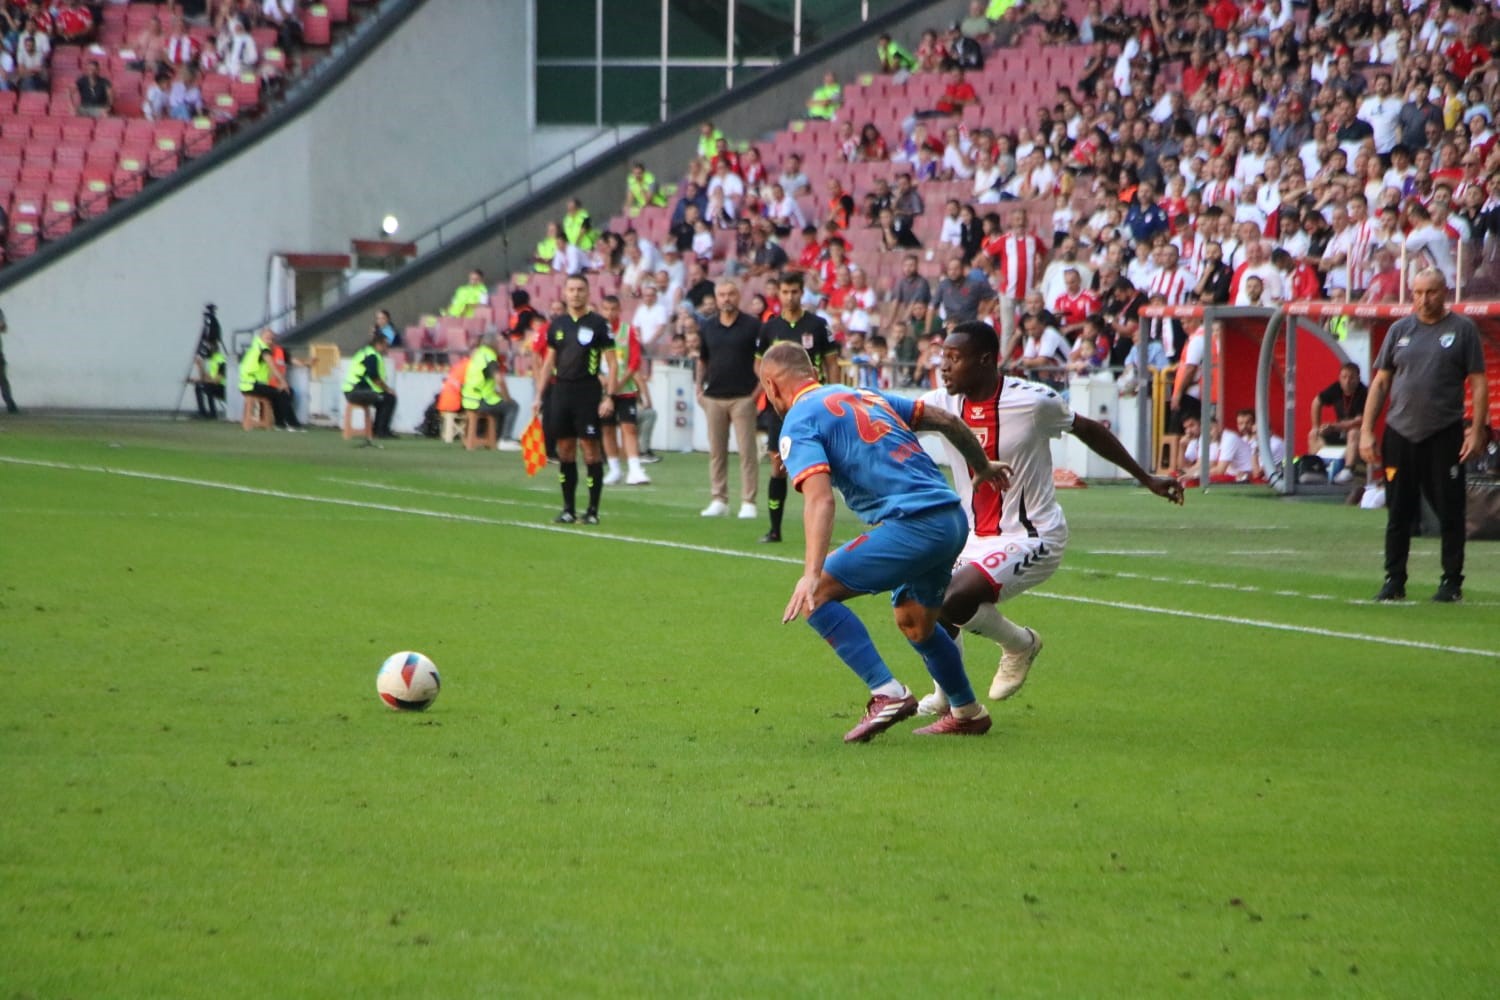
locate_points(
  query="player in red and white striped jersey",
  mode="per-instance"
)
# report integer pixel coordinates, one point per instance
(1019, 263)
(1016, 534)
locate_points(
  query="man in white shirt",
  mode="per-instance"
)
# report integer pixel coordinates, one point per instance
(650, 319)
(1380, 110)
(1017, 533)
(1258, 264)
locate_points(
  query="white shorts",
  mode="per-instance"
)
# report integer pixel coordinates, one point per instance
(1012, 563)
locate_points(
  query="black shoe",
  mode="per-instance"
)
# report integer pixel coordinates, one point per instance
(650, 458)
(566, 517)
(1450, 591)
(1392, 591)
(589, 517)
(771, 536)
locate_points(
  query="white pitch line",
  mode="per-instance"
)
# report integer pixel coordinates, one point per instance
(1275, 626)
(466, 497)
(575, 532)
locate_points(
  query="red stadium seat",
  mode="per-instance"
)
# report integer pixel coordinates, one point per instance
(199, 138)
(22, 240)
(32, 104)
(317, 26)
(246, 91)
(58, 218)
(338, 11)
(164, 156)
(94, 198)
(129, 176)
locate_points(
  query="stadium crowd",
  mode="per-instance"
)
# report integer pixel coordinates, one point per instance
(1220, 153)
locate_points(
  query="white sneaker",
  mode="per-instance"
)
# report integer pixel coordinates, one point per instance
(933, 704)
(716, 509)
(611, 477)
(1345, 475)
(505, 444)
(747, 512)
(637, 479)
(1013, 668)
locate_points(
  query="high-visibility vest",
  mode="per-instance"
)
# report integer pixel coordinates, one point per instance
(546, 249)
(255, 366)
(214, 367)
(893, 53)
(572, 224)
(997, 8)
(356, 378)
(465, 298)
(708, 145)
(479, 387)
(640, 192)
(825, 101)
(1339, 327)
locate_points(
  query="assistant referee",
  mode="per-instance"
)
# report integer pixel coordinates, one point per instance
(811, 331)
(579, 348)
(1423, 364)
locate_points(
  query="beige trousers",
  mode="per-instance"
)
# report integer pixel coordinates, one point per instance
(721, 414)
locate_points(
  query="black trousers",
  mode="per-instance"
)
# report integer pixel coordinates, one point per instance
(1415, 469)
(385, 407)
(208, 395)
(281, 403)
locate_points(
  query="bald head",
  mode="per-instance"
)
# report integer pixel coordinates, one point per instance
(786, 357)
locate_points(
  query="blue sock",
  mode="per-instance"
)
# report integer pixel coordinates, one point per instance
(946, 665)
(843, 630)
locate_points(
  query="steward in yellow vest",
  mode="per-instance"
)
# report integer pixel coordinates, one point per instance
(826, 100)
(484, 391)
(368, 383)
(257, 378)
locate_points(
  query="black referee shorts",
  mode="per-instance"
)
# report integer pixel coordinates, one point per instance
(575, 409)
(625, 412)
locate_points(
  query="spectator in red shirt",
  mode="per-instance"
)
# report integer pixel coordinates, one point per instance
(1467, 55)
(1075, 304)
(1195, 73)
(73, 23)
(957, 95)
(1385, 283)
(1223, 14)
(812, 248)
(872, 147)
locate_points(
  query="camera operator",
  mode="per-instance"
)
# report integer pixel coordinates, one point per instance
(209, 366)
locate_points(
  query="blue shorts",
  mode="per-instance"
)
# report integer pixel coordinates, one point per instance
(912, 557)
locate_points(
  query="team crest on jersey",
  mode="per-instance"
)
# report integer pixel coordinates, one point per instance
(1403, 341)
(1446, 340)
(807, 341)
(585, 335)
(785, 447)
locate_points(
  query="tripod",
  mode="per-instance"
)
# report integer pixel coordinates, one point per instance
(209, 351)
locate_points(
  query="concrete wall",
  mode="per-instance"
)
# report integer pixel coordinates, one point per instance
(436, 117)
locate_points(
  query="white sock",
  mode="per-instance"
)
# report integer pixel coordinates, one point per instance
(990, 623)
(972, 710)
(635, 466)
(891, 689)
(614, 464)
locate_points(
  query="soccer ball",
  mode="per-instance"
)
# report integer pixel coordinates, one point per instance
(408, 682)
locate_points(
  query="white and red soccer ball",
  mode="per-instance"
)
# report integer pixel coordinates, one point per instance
(408, 682)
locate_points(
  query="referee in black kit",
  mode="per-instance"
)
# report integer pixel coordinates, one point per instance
(1422, 365)
(811, 331)
(578, 344)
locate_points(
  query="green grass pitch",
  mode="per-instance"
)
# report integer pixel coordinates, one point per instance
(1228, 775)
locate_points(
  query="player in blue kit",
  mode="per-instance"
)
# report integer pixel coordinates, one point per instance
(865, 444)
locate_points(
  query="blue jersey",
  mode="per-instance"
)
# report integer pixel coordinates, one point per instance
(864, 441)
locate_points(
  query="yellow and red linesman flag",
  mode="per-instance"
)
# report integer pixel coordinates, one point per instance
(533, 447)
